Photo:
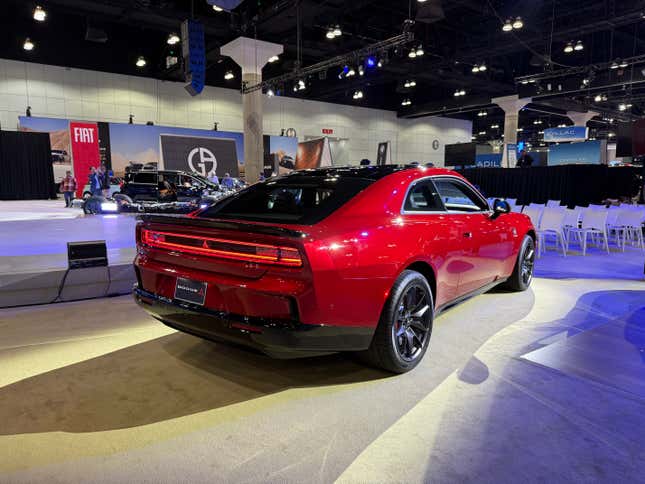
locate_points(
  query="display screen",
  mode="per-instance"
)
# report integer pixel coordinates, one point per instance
(460, 154)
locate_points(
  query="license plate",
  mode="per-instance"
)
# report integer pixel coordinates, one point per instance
(190, 291)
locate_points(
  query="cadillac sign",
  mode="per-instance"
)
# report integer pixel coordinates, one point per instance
(569, 133)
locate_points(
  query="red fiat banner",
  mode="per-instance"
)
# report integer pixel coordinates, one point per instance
(84, 139)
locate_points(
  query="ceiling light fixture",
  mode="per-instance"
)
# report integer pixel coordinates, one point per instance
(622, 107)
(39, 14)
(173, 39)
(28, 45)
(614, 65)
(406, 102)
(482, 67)
(217, 8)
(141, 61)
(270, 93)
(229, 75)
(598, 98)
(518, 24)
(508, 26)
(420, 51)
(358, 95)
(475, 69)
(412, 54)
(273, 58)
(568, 48)
(623, 64)
(301, 85)
(579, 46)
(361, 70)
(330, 34)
(337, 31)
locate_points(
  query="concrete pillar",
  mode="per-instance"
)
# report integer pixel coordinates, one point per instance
(511, 106)
(581, 119)
(252, 55)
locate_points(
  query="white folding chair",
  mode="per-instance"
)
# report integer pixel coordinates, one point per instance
(631, 227)
(552, 223)
(553, 203)
(534, 213)
(571, 220)
(594, 223)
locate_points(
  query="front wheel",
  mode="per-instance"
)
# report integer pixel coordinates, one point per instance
(403, 333)
(522, 275)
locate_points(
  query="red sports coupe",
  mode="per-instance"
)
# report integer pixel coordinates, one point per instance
(336, 259)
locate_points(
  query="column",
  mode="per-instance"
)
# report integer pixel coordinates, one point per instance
(511, 106)
(581, 119)
(252, 55)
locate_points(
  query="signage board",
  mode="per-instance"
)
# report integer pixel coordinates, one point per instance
(489, 160)
(569, 133)
(511, 154)
(327, 131)
(197, 154)
(84, 141)
(589, 152)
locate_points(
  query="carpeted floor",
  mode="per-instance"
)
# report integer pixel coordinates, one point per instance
(542, 386)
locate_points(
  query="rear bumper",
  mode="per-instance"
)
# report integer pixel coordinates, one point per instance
(276, 338)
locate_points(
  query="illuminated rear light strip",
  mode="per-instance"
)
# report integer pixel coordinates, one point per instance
(246, 251)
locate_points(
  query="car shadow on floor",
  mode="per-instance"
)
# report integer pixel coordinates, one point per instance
(165, 378)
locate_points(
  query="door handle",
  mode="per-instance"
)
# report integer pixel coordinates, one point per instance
(468, 235)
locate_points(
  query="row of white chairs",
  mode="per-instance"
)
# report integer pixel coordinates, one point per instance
(596, 223)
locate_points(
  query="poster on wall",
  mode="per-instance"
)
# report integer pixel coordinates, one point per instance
(382, 153)
(138, 144)
(84, 141)
(313, 154)
(205, 156)
(279, 155)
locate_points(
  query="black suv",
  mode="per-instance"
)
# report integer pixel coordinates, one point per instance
(165, 185)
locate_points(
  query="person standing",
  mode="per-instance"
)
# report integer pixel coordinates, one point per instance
(68, 187)
(95, 182)
(105, 182)
(227, 181)
(525, 160)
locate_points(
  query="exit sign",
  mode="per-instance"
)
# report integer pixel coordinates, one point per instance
(327, 131)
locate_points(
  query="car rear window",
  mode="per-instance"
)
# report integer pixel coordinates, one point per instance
(291, 200)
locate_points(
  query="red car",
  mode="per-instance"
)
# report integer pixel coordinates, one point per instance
(338, 259)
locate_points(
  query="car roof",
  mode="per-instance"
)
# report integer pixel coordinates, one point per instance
(369, 172)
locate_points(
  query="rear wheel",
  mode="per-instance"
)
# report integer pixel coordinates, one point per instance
(522, 275)
(403, 333)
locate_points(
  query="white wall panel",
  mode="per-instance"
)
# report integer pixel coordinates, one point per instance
(98, 96)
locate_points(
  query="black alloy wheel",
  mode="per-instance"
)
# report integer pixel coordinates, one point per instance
(411, 326)
(403, 333)
(528, 262)
(522, 275)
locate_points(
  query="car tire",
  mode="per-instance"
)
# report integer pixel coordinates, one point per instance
(402, 336)
(522, 275)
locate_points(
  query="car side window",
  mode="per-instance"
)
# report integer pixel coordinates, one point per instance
(459, 197)
(146, 178)
(423, 197)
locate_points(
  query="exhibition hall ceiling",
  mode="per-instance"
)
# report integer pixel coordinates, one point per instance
(457, 38)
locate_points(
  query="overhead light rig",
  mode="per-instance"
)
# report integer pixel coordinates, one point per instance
(377, 49)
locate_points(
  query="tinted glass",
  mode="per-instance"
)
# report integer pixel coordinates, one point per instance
(297, 200)
(423, 197)
(145, 178)
(458, 197)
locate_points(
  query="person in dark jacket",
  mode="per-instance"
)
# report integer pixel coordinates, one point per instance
(525, 160)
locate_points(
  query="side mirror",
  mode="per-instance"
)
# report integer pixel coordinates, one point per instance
(500, 207)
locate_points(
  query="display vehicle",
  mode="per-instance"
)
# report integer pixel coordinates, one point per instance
(356, 259)
(165, 185)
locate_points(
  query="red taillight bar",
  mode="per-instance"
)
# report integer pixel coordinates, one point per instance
(235, 249)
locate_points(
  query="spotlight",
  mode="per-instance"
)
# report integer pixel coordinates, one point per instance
(508, 26)
(459, 92)
(337, 31)
(173, 39)
(525, 81)
(406, 102)
(229, 75)
(358, 95)
(28, 45)
(379, 64)
(622, 107)
(351, 72)
(579, 46)
(270, 92)
(409, 84)
(519, 130)
(482, 67)
(475, 68)
(273, 58)
(141, 61)
(218, 8)
(412, 54)
(370, 62)
(537, 122)
(462, 93)
(623, 64)
(598, 98)
(562, 125)
(481, 133)
(420, 51)
(39, 14)
(518, 24)
(413, 83)
(614, 65)
(301, 85)
(361, 70)
(494, 126)
(330, 34)
(568, 48)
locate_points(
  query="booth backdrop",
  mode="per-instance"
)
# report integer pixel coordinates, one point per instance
(26, 166)
(571, 184)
